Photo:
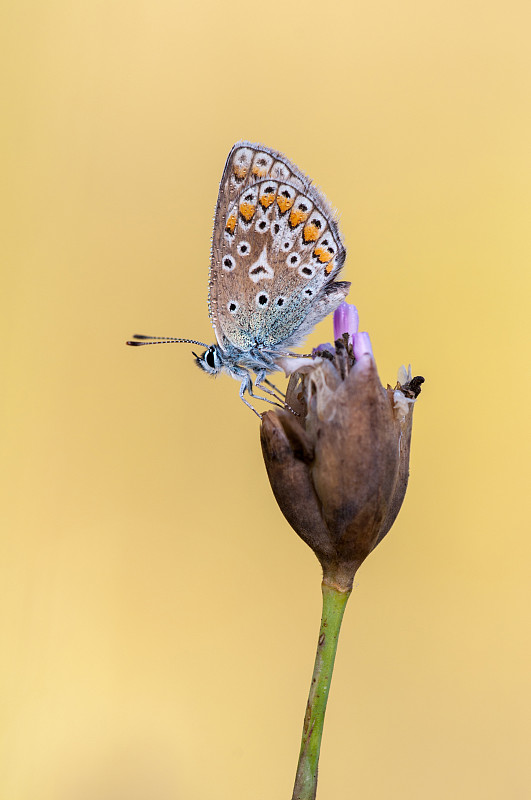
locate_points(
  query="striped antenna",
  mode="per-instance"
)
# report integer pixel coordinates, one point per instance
(161, 340)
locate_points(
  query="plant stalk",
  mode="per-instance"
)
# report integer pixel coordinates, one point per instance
(334, 603)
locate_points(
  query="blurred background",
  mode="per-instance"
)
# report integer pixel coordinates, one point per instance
(158, 616)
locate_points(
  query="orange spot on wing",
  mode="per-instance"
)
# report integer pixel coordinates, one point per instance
(231, 223)
(323, 255)
(247, 211)
(240, 172)
(297, 216)
(259, 171)
(284, 203)
(310, 233)
(329, 267)
(267, 199)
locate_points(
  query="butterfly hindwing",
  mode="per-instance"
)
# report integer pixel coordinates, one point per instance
(276, 251)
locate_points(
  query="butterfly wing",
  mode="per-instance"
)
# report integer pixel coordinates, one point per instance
(276, 251)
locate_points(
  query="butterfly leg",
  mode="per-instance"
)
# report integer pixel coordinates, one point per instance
(274, 392)
(247, 386)
(259, 383)
(248, 404)
(279, 392)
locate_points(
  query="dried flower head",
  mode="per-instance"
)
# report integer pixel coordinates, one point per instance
(339, 465)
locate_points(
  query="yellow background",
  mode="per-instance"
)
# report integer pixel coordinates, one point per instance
(158, 616)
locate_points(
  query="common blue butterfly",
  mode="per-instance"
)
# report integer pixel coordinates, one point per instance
(276, 254)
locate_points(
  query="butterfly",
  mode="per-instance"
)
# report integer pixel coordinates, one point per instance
(276, 254)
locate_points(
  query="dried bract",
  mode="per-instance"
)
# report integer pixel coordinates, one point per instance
(339, 465)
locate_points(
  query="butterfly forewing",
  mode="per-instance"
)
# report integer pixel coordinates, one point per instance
(276, 250)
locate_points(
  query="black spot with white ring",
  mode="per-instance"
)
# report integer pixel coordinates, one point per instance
(228, 263)
(293, 260)
(306, 272)
(232, 306)
(262, 299)
(244, 248)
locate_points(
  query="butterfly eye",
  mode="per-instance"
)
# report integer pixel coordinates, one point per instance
(210, 358)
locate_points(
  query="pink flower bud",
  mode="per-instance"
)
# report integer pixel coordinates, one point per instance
(346, 320)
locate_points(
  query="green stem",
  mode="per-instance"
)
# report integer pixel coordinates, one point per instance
(334, 602)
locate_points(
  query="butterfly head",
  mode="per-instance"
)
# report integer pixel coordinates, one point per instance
(211, 360)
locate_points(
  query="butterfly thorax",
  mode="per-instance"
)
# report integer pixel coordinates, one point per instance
(236, 362)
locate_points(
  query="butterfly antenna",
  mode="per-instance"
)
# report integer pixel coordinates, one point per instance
(161, 340)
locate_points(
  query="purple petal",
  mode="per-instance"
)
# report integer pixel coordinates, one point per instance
(346, 320)
(327, 346)
(362, 345)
